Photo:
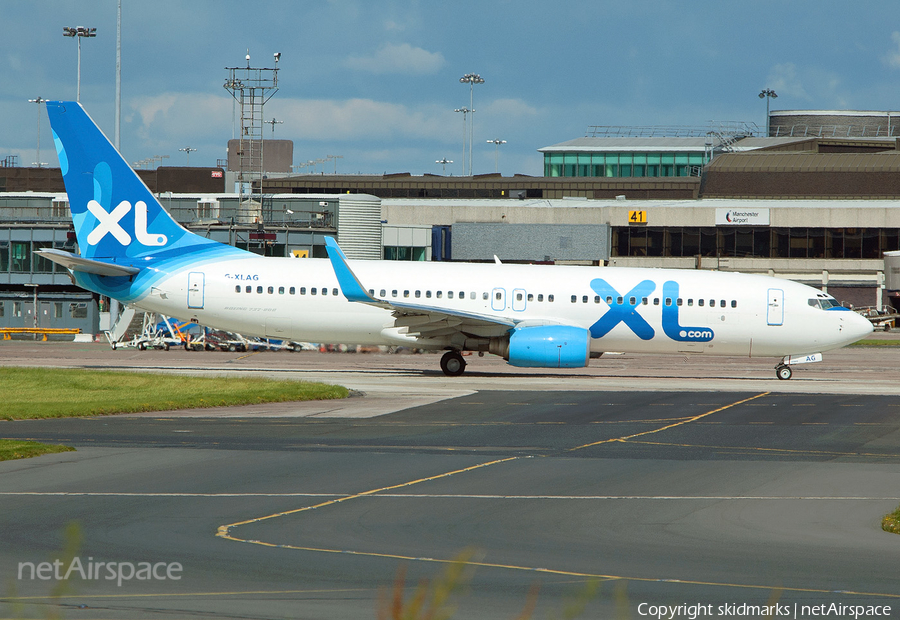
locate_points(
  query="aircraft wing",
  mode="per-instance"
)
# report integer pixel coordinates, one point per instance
(418, 320)
(87, 265)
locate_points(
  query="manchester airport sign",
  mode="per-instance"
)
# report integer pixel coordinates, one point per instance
(742, 217)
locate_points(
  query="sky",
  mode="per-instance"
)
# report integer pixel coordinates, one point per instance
(377, 82)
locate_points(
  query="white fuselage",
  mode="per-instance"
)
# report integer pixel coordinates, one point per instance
(714, 313)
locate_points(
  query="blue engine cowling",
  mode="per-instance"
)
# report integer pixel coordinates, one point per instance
(549, 346)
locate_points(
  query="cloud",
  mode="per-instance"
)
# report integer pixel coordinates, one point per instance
(510, 108)
(814, 85)
(180, 116)
(783, 79)
(361, 119)
(403, 58)
(893, 57)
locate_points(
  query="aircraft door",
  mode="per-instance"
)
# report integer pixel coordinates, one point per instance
(775, 310)
(196, 282)
(519, 299)
(498, 299)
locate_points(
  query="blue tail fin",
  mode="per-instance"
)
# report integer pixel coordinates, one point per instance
(116, 216)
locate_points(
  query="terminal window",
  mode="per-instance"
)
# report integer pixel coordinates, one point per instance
(754, 242)
(404, 253)
(628, 164)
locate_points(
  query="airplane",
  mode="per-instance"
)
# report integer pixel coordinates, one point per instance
(538, 316)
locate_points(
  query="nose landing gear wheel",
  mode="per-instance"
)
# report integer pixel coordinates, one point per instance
(783, 372)
(453, 364)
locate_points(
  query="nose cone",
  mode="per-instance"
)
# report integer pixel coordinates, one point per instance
(855, 326)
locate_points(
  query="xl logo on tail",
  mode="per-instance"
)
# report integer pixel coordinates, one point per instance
(108, 223)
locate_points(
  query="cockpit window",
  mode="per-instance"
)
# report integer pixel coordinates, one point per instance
(824, 303)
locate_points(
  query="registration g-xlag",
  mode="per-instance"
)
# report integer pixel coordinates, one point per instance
(531, 315)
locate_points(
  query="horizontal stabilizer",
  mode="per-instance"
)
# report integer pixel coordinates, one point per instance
(86, 265)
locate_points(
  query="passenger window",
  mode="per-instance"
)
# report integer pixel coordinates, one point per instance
(530, 297)
(721, 303)
(690, 302)
(518, 296)
(313, 291)
(439, 294)
(668, 301)
(498, 296)
(574, 298)
(540, 297)
(619, 301)
(427, 294)
(678, 301)
(712, 303)
(248, 289)
(584, 299)
(418, 294)
(700, 302)
(371, 292)
(237, 289)
(449, 294)
(645, 301)
(632, 301)
(734, 303)
(609, 300)
(259, 290)
(550, 298)
(406, 293)
(596, 299)
(471, 295)
(334, 292)
(303, 290)
(484, 296)
(292, 291)
(281, 290)
(656, 301)
(324, 291)
(382, 293)
(394, 293)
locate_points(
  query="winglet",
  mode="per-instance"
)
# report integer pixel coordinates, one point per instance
(350, 285)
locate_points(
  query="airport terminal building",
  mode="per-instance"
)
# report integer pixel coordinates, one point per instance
(817, 207)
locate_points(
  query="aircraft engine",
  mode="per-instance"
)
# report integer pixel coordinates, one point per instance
(549, 346)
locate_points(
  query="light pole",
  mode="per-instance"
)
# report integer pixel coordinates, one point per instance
(443, 162)
(334, 158)
(496, 142)
(38, 101)
(464, 111)
(188, 150)
(767, 94)
(471, 79)
(80, 32)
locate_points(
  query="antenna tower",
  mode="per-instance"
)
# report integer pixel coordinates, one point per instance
(251, 88)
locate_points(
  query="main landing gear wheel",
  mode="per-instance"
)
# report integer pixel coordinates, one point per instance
(453, 364)
(783, 372)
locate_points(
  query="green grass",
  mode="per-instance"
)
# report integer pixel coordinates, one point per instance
(55, 393)
(891, 522)
(876, 343)
(15, 449)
